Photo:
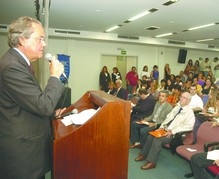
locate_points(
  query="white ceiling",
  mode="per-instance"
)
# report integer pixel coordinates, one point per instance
(99, 15)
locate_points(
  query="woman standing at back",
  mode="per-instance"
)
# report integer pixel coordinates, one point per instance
(167, 72)
(104, 79)
(189, 67)
(116, 75)
(145, 72)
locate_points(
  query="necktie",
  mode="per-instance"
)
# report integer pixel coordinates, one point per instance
(180, 109)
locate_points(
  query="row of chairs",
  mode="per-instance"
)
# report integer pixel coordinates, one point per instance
(207, 138)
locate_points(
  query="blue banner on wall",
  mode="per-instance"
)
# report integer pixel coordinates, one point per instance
(65, 60)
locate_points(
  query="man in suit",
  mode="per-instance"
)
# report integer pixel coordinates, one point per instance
(140, 129)
(25, 132)
(181, 118)
(120, 92)
(144, 107)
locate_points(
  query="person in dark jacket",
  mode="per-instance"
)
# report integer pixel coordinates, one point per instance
(144, 107)
(121, 92)
(104, 79)
(25, 109)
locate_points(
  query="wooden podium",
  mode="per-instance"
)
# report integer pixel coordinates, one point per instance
(98, 149)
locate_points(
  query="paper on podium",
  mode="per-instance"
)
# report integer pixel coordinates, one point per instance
(213, 155)
(79, 118)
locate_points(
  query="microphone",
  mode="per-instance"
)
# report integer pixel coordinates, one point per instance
(48, 57)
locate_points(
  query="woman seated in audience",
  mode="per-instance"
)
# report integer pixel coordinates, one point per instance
(135, 93)
(173, 78)
(201, 79)
(147, 79)
(211, 76)
(112, 88)
(210, 111)
(198, 86)
(169, 86)
(205, 90)
(190, 76)
(186, 85)
(173, 99)
(161, 87)
(153, 87)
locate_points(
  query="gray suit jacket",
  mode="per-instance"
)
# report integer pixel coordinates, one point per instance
(167, 108)
(25, 132)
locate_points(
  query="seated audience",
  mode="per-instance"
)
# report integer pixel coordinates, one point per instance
(181, 118)
(161, 109)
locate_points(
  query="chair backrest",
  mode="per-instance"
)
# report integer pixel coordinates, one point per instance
(188, 139)
(206, 133)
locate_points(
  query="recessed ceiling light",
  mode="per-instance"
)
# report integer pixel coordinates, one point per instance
(112, 28)
(203, 40)
(162, 35)
(202, 26)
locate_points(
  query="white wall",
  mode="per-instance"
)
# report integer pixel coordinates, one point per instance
(85, 59)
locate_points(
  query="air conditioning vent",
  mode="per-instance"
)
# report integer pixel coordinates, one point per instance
(176, 42)
(2, 26)
(212, 46)
(152, 28)
(59, 31)
(128, 37)
(169, 2)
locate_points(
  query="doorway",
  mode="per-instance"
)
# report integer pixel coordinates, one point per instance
(123, 63)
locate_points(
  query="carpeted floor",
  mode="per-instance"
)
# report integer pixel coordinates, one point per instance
(169, 167)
